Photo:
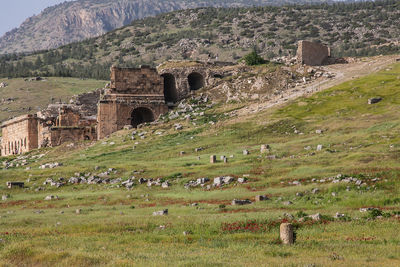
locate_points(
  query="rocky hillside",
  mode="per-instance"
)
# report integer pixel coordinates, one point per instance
(222, 34)
(74, 21)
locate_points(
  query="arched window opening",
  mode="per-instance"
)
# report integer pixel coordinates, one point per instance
(196, 81)
(141, 115)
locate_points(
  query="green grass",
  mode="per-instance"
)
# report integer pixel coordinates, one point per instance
(116, 226)
(32, 96)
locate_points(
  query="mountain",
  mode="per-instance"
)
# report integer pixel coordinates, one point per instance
(74, 21)
(225, 34)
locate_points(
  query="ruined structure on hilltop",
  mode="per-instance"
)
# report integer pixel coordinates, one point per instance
(135, 96)
(312, 54)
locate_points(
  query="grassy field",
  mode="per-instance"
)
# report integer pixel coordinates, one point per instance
(116, 228)
(32, 96)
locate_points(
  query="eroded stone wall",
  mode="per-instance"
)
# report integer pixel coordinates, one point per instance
(136, 81)
(20, 135)
(135, 96)
(312, 54)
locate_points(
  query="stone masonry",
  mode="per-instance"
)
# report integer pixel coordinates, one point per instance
(312, 54)
(20, 135)
(135, 96)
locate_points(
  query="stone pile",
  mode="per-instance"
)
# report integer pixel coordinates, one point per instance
(158, 182)
(339, 179)
(50, 165)
(195, 183)
(189, 109)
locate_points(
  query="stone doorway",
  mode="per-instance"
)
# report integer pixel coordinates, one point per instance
(196, 81)
(141, 115)
(170, 93)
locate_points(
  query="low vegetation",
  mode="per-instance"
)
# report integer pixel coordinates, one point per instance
(331, 169)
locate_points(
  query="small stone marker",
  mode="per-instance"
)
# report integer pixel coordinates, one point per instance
(213, 159)
(374, 100)
(319, 147)
(225, 160)
(160, 213)
(11, 185)
(246, 152)
(78, 211)
(261, 198)
(239, 202)
(265, 148)
(182, 153)
(51, 197)
(286, 233)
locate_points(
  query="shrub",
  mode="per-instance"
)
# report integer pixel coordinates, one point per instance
(254, 59)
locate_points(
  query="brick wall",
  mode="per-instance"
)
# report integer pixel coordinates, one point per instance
(136, 81)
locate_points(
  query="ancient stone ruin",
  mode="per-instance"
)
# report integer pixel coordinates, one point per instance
(312, 54)
(134, 96)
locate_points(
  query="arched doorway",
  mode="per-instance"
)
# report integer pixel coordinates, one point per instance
(196, 81)
(141, 115)
(170, 93)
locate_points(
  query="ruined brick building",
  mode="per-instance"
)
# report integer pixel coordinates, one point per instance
(135, 96)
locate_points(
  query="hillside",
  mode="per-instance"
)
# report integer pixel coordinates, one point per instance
(78, 20)
(331, 169)
(358, 29)
(22, 96)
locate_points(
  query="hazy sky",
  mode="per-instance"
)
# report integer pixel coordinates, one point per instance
(14, 12)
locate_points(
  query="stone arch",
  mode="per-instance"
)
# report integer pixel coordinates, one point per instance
(170, 92)
(141, 115)
(196, 81)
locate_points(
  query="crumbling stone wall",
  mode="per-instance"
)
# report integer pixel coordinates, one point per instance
(312, 54)
(186, 78)
(20, 135)
(135, 96)
(86, 103)
(69, 126)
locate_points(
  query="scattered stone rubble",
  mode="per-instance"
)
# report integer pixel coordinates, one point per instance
(337, 179)
(50, 165)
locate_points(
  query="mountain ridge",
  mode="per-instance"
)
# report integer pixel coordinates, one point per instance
(78, 20)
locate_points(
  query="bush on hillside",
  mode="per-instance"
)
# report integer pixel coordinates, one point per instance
(254, 59)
